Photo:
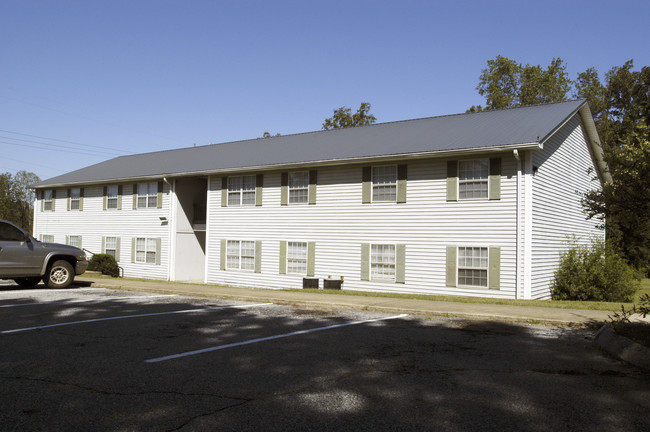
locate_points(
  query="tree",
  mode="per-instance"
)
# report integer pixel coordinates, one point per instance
(268, 135)
(17, 199)
(343, 118)
(506, 83)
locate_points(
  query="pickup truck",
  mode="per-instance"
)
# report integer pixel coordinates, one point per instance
(28, 261)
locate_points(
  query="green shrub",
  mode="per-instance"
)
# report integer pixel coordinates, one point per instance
(594, 272)
(105, 264)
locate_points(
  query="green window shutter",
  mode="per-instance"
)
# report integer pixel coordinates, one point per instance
(133, 250)
(119, 197)
(365, 261)
(401, 183)
(135, 196)
(259, 188)
(158, 251)
(311, 258)
(68, 204)
(81, 242)
(284, 188)
(117, 250)
(366, 185)
(283, 257)
(105, 205)
(224, 191)
(53, 198)
(258, 256)
(67, 239)
(313, 181)
(103, 244)
(452, 270)
(495, 268)
(81, 199)
(452, 180)
(222, 257)
(400, 263)
(160, 195)
(495, 179)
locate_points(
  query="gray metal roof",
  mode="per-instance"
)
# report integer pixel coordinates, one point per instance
(508, 128)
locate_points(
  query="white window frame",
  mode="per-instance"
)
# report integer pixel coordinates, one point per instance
(296, 260)
(298, 187)
(47, 200)
(378, 264)
(111, 247)
(76, 244)
(112, 192)
(241, 190)
(75, 199)
(240, 255)
(144, 249)
(477, 185)
(148, 195)
(476, 271)
(379, 184)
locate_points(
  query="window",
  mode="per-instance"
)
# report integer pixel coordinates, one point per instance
(473, 266)
(111, 197)
(47, 238)
(75, 199)
(473, 179)
(382, 262)
(10, 233)
(48, 197)
(299, 187)
(147, 195)
(241, 190)
(384, 183)
(110, 247)
(146, 250)
(297, 258)
(74, 240)
(240, 255)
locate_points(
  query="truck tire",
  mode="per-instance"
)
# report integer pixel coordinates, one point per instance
(27, 282)
(59, 275)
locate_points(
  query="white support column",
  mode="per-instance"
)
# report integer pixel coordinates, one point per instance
(528, 224)
(207, 230)
(171, 220)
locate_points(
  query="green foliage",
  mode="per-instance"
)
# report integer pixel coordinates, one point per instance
(105, 264)
(594, 272)
(343, 118)
(506, 83)
(17, 199)
(268, 135)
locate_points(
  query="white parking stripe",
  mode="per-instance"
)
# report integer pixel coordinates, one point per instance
(86, 300)
(206, 309)
(252, 341)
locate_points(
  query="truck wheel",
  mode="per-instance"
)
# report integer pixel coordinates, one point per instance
(59, 275)
(27, 282)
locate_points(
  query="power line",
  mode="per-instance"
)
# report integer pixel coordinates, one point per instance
(60, 140)
(76, 151)
(62, 146)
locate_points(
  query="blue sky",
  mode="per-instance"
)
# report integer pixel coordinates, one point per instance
(84, 81)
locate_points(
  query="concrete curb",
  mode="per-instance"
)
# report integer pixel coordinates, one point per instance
(622, 348)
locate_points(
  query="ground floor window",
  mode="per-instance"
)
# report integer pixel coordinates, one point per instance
(297, 258)
(382, 262)
(47, 238)
(240, 255)
(145, 250)
(74, 240)
(473, 266)
(110, 247)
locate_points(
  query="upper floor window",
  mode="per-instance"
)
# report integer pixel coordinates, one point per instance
(299, 187)
(241, 190)
(473, 266)
(473, 179)
(75, 199)
(48, 198)
(384, 183)
(112, 193)
(147, 195)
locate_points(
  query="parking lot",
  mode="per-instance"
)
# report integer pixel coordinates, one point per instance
(96, 359)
